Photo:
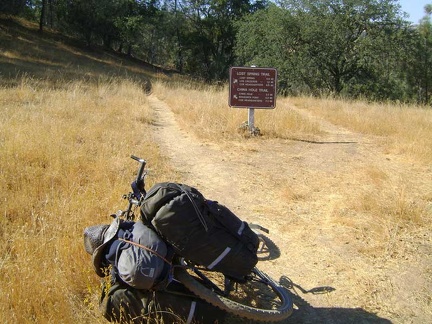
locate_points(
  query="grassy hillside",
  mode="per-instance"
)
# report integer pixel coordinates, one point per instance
(57, 59)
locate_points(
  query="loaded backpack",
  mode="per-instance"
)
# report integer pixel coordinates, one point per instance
(200, 230)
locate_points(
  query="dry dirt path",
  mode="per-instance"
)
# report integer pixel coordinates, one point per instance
(299, 189)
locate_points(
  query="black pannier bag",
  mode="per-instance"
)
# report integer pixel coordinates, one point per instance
(120, 303)
(203, 231)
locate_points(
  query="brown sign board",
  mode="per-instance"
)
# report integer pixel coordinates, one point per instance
(252, 87)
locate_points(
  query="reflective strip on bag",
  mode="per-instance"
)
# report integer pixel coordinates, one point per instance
(191, 312)
(219, 258)
(240, 231)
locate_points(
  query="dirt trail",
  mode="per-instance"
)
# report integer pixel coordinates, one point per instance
(323, 261)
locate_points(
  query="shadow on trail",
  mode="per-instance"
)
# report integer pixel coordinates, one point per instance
(322, 142)
(305, 313)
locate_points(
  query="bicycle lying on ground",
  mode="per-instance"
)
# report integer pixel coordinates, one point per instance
(257, 297)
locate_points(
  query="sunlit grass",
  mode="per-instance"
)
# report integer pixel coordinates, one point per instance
(64, 165)
(404, 129)
(206, 111)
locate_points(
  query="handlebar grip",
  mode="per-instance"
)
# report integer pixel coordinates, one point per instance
(140, 173)
(136, 158)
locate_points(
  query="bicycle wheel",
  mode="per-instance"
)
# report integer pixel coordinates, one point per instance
(259, 298)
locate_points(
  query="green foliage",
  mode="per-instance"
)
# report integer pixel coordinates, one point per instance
(13, 7)
(265, 39)
(94, 19)
(350, 48)
(420, 76)
(211, 35)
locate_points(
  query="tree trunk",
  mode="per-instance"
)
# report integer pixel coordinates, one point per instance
(42, 16)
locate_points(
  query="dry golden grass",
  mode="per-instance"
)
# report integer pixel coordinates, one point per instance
(405, 129)
(64, 165)
(205, 109)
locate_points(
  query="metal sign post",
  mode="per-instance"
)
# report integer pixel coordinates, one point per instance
(251, 119)
(252, 87)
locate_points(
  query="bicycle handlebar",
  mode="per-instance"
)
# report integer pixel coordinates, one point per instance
(141, 169)
(137, 186)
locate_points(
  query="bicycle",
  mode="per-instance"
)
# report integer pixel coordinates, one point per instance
(258, 297)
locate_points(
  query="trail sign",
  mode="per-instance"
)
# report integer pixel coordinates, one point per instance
(252, 87)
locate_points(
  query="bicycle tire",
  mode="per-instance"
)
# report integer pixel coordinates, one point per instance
(236, 308)
(267, 250)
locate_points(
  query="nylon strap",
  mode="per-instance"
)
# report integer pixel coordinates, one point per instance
(200, 216)
(145, 248)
